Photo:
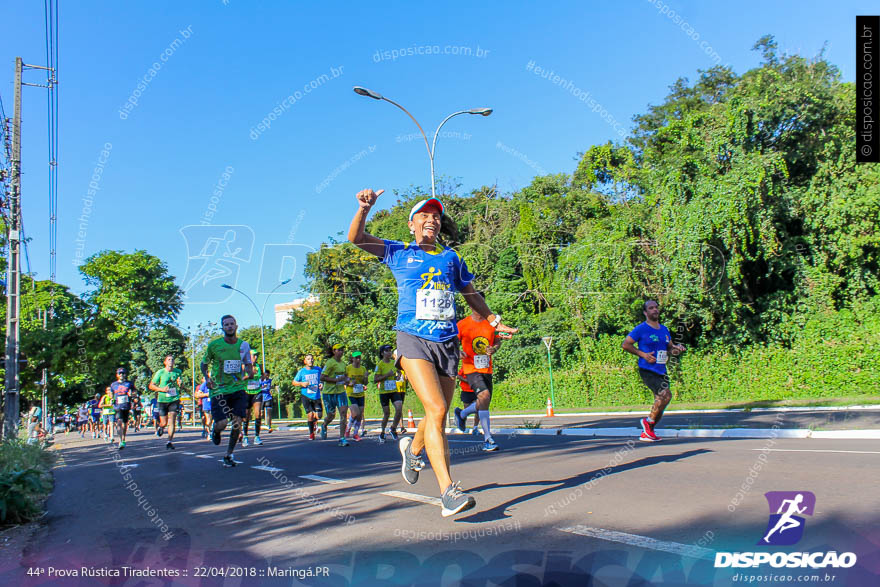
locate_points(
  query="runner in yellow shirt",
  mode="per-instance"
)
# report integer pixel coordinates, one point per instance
(333, 394)
(401, 392)
(385, 379)
(108, 414)
(355, 388)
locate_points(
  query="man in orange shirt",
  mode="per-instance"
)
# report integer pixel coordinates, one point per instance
(467, 398)
(479, 342)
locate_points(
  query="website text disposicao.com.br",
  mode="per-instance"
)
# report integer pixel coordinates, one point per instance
(456, 50)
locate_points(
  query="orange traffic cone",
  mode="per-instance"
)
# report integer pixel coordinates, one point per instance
(412, 422)
(549, 408)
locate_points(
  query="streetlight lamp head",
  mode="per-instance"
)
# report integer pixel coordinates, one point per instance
(286, 281)
(480, 111)
(226, 286)
(368, 93)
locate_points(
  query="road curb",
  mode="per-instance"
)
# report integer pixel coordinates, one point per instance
(756, 433)
(847, 434)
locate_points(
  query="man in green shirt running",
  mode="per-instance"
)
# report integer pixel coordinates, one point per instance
(166, 384)
(227, 366)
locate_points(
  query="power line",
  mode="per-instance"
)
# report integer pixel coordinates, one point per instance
(51, 22)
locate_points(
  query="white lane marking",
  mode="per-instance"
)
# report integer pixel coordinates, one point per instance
(320, 479)
(642, 542)
(189, 453)
(265, 468)
(126, 466)
(466, 441)
(204, 457)
(855, 452)
(236, 462)
(414, 497)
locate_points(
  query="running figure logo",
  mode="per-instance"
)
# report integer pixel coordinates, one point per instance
(214, 257)
(785, 527)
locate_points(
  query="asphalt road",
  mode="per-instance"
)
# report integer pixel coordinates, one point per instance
(550, 510)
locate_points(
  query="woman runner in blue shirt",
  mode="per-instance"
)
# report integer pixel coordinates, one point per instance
(428, 274)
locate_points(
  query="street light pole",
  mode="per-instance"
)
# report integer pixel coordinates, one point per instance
(260, 312)
(548, 340)
(192, 344)
(433, 146)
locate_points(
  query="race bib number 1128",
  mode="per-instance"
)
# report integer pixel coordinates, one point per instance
(435, 304)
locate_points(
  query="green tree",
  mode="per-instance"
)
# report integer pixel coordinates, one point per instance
(133, 291)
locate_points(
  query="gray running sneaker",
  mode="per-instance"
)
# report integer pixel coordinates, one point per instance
(455, 500)
(411, 464)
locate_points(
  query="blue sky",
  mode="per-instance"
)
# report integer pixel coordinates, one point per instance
(224, 67)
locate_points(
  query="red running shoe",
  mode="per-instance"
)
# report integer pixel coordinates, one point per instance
(648, 433)
(311, 435)
(645, 438)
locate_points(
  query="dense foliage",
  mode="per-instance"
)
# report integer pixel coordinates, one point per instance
(131, 297)
(737, 203)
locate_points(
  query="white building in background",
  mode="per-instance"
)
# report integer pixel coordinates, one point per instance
(283, 311)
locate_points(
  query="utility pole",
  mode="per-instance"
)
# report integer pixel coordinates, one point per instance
(13, 275)
(193, 366)
(13, 270)
(45, 385)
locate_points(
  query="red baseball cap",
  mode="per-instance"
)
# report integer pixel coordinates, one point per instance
(418, 207)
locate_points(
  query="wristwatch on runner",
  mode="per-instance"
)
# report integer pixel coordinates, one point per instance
(494, 323)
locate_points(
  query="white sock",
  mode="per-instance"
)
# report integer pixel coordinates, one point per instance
(471, 409)
(484, 424)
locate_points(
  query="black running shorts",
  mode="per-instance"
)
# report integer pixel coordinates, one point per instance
(480, 382)
(390, 398)
(224, 405)
(311, 405)
(655, 382)
(443, 355)
(165, 407)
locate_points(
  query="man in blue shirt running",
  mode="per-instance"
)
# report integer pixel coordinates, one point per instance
(309, 379)
(655, 346)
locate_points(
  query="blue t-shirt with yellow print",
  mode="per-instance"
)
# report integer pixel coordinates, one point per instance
(426, 286)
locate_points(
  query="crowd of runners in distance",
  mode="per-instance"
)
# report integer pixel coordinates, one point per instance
(433, 354)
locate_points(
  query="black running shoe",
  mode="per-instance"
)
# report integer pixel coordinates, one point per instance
(169, 446)
(159, 431)
(459, 421)
(215, 435)
(455, 500)
(228, 461)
